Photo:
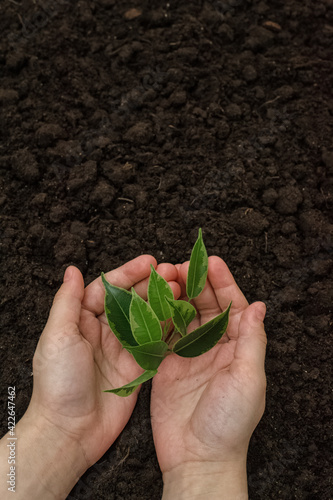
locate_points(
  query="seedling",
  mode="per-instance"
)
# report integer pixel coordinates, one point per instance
(146, 329)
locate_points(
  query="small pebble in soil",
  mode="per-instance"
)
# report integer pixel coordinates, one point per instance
(132, 14)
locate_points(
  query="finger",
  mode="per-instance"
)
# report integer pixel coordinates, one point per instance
(225, 287)
(176, 290)
(167, 271)
(252, 340)
(125, 276)
(181, 281)
(67, 302)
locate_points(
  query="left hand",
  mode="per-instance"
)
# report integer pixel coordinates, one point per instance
(78, 357)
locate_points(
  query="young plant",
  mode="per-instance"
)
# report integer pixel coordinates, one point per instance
(146, 329)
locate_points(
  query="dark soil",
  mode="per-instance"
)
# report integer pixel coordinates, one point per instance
(123, 131)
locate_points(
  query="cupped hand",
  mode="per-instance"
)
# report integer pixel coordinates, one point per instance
(78, 357)
(204, 409)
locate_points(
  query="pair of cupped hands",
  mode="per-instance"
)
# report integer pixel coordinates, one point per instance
(203, 409)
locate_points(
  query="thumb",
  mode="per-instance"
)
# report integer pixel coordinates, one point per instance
(252, 340)
(67, 302)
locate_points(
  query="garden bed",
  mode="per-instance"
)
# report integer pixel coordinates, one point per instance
(126, 126)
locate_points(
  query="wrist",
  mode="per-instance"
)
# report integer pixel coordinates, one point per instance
(201, 480)
(49, 462)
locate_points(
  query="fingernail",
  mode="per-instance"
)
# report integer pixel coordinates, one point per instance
(261, 311)
(68, 274)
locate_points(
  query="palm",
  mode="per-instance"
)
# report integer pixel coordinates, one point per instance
(107, 365)
(194, 401)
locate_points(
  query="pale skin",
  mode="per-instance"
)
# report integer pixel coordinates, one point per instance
(70, 422)
(203, 410)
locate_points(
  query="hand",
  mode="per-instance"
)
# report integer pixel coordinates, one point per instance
(204, 409)
(71, 422)
(77, 358)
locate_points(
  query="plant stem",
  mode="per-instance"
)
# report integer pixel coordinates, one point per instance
(171, 337)
(167, 330)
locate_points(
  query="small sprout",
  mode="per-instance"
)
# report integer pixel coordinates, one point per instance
(137, 323)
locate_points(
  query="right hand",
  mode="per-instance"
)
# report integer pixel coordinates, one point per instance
(205, 409)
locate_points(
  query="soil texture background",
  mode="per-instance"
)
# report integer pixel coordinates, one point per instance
(127, 125)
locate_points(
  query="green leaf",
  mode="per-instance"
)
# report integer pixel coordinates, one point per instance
(117, 306)
(149, 356)
(158, 289)
(202, 339)
(145, 324)
(128, 389)
(182, 314)
(198, 269)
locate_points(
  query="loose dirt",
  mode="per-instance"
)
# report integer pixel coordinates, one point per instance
(124, 127)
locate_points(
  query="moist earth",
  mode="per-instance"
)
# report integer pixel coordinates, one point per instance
(126, 126)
